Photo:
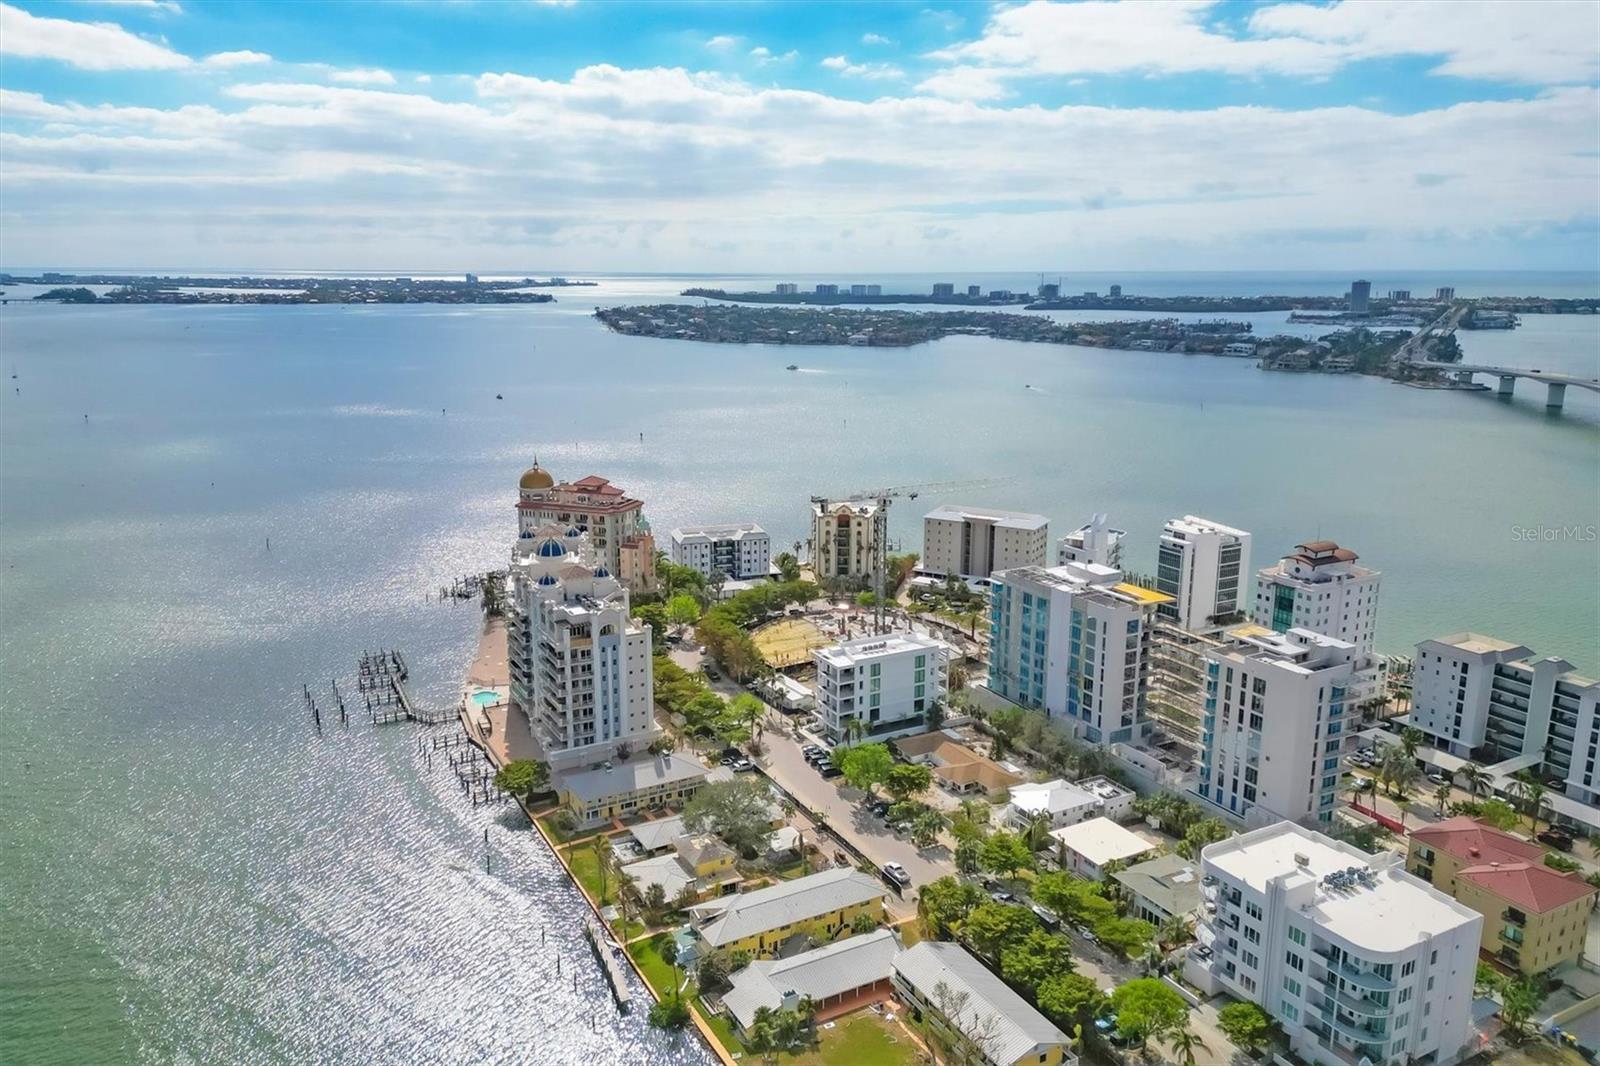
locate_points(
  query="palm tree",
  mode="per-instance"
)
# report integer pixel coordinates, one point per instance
(1037, 835)
(1531, 791)
(854, 730)
(1410, 737)
(1184, 1044)
(1475, 779)
(1442, 794)
(1176, 930)
(602, 861)
(787, 806)
(1401, 781)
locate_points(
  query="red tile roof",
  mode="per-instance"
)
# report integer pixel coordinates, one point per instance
(1533, 888)
(1475, 843)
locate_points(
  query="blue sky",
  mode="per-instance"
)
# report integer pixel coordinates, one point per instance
(705, 136)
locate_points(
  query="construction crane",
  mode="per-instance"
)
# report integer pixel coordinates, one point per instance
(880, 528)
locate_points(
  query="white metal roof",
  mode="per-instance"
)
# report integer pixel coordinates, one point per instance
(836, 968)
(1017, 1029)
(1100, 840)
(722, 921)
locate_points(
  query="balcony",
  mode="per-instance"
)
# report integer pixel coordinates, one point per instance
(1512, 936)
(1514, 916)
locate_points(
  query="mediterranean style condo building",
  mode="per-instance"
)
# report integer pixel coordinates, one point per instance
(614, 523)
(845, 535)
(580, 664)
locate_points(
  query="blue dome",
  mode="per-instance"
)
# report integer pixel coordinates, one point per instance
(574, 532)
(552, 549)
(601, 571)
(525, 535)
(547, 580)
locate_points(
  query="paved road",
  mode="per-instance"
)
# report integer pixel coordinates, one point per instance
(838, 804)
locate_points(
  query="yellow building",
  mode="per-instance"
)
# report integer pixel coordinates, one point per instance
(762, 921)
(979, 1013)
(1534, 918)
(629, 788)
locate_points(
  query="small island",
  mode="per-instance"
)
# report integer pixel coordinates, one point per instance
(138, 289)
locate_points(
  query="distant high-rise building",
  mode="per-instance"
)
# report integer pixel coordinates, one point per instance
(1116, 291)
(1320, 588)
(472, 279)
(1049, 291)
(786, 288)
(1399, 295)
(858, 290)
(973, 542)
(944, 288)
(593, 506)
(737, 551)
(1445, 292)
(844, 537)
(874, 290)
(1205, 567)
(974, 290)
(1095, 542)
(827, 290)
(1360, 294)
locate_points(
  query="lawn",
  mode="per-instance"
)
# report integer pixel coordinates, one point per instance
(863, 1039)
(655, 969)
(586, 868)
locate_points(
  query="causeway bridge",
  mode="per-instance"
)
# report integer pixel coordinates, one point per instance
(1555, 383)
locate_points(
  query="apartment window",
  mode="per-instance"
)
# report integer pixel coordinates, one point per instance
(1289, 1011)
(1297, 935)
(1405, 994)
(1252, 909)
(1251, 934)
(1295, 961)
(1291, 986)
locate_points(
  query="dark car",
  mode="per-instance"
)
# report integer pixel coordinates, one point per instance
(830, 771)
(878, 807)
(1556, 839)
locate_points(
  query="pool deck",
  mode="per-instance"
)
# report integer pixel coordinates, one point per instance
(507, 737)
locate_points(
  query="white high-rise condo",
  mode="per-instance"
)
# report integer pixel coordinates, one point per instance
(1205, 568)
(1075, 641)
(886, 683)
(1359, 961)
(1274, 719)
(580, 664)
(1095, 542)
(1320, 588)
(845, 535)
(737, 551)
(1498, 704)
(614, 523)
(973, 542)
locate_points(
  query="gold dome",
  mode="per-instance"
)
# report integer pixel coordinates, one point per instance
(537, 477)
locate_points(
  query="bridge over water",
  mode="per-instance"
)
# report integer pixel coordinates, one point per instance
(1555, 383)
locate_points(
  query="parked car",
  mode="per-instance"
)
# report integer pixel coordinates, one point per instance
(1000, 895)
(741, 765)
(897, 873)
(830, 771)
(1088, 936)
(1047, 917)
(1557, 839)
(1439, 778)
(878, 807)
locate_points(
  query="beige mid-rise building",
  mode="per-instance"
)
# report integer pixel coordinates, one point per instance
(844, 537)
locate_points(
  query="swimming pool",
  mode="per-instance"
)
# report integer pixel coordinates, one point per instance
(485, 697)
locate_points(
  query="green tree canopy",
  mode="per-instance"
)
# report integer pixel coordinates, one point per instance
(523, 778)
(864, 765)
(1076, 900)
(738, 811)
(1026, 964)
(1006, 853)
(1246, 1024)
(1147, 1007)
(992, 927)
(1498, 813)
(1070, 999)
(1128, 937)
(683, 609)
(654, 615)
(905, 780)
(944, 904)
(1197, 836)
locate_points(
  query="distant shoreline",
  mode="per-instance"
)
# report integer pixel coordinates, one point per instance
(247, 289)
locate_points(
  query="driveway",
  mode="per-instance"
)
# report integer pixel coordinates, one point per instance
(838, 804)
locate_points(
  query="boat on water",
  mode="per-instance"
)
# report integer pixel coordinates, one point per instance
(792, 366)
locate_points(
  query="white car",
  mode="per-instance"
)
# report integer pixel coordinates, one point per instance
(896, 873)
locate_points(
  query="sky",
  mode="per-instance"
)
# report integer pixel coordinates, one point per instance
(766, 137)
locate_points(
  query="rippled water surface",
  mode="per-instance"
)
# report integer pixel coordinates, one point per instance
(189, 874)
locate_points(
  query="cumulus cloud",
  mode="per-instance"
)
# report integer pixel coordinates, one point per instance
(869, 71)
(875, 38)
(86, 45)
(766, 57)
(241, 58)
(363, 76)
(722, 42)
(1537, 42)
(666, 168)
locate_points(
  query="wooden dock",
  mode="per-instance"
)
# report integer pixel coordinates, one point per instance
(607, 952)
(383, 679)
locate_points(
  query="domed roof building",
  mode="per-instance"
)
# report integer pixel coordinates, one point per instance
(593, 507)
(536, 478)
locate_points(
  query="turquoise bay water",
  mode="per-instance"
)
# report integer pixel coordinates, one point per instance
(192, 875)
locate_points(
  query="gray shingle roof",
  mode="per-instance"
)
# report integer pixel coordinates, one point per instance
(1019, 1030)
(1171, 882)
(840, 967)
(631, 776)
(722, 921)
